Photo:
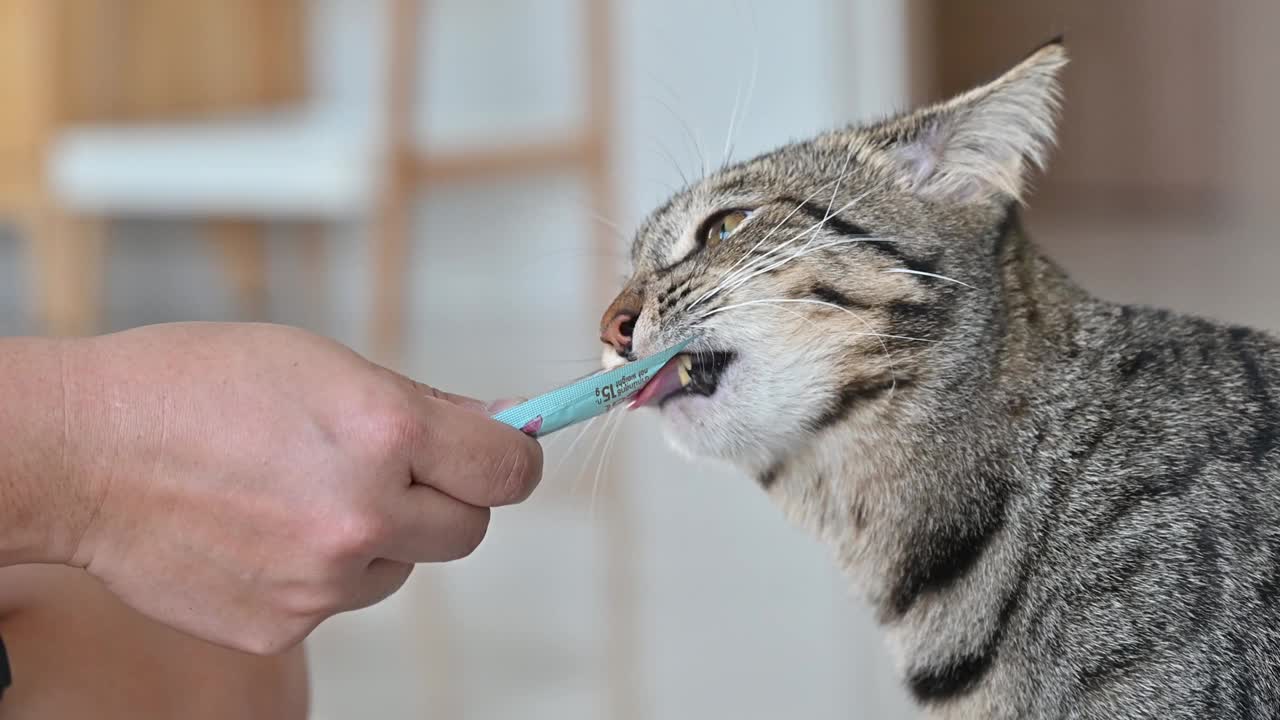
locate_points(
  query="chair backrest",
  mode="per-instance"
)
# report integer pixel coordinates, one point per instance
(144, 60)
(105, 61)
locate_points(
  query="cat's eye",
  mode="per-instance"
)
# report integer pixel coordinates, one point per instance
(720, 226)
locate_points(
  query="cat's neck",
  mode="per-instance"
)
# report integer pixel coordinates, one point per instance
(917, 501)
(1037, 318)
(910, 497)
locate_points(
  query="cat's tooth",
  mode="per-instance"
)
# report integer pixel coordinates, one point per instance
(686, 365)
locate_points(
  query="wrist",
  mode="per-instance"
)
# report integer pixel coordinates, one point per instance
(90, 440)
(107, 431)
(44, 500)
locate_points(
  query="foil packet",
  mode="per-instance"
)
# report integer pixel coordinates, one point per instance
(590, 396)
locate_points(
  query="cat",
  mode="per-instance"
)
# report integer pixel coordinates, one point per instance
(1057, 506)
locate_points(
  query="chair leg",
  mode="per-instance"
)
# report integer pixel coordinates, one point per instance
(244, 254)
(66, 256)
(625, 698)
(438, 647)
(624, 684)
(391, 256)
(315, 265)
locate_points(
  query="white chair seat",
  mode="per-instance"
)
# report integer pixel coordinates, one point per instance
(273, 167)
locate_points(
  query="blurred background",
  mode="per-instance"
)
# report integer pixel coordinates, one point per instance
(448, 186)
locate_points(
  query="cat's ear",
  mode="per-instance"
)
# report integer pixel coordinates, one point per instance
(978, 145)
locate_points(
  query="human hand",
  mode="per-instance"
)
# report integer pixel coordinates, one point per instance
(250, 481)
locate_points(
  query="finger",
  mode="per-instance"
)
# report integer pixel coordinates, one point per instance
(424, 390)
(474, 458)
(463, 401)
(431, 526)
(469, 403)
(381, 579)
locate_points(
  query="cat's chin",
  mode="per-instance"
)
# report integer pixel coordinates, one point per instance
(760, 410)
(703, 447)
(706, 428)
(691, 425)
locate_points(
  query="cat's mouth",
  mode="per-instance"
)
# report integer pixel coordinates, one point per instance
(685, 374)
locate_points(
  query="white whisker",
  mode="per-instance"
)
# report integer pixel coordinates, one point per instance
(828, 214)
(888, 356)
(672, 159)
(736, 279)
(607, 223)
(727, 274)
(552, 442)
(842, 175)
(839, 183)
(734, 117)
(733, 120)
(595, 445)
(932, 275)
(604, 454)
(755, 63)
(569, 450)
(796, 209)
(806, 301)
(759, 269)
(689, 134)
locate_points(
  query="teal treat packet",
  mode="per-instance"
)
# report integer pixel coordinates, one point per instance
(586, 398)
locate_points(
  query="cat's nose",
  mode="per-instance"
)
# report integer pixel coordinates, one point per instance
(619, 321)
(618, 332)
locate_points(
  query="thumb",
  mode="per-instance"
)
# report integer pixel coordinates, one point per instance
(498, 406)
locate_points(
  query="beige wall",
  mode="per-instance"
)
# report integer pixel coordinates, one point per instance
(1143, 115)
(1163, 187)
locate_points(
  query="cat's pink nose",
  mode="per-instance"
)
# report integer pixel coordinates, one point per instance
(619, 321)
(618, 332)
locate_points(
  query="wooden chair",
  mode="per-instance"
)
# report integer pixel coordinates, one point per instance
(68, 62)
(87, 73)
(586, 151)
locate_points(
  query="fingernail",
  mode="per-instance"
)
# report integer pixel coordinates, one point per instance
(498, 406)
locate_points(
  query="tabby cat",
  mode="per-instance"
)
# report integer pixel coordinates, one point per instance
(1058, 506)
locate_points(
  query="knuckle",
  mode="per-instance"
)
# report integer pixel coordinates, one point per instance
(382, 423)
(357, 534)
(389, 429)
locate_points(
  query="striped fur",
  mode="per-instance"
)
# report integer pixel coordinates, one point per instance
(1059, 507)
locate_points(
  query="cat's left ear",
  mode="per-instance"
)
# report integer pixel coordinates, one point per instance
(977, 146)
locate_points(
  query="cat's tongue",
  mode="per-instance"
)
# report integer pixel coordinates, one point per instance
(670, 378)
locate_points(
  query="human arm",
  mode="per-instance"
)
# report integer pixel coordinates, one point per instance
(242, 482)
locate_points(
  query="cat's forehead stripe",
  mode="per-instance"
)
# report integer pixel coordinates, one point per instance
(684, 244)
